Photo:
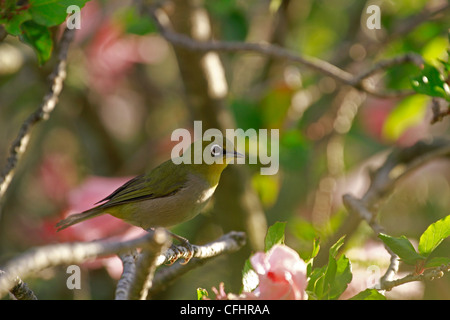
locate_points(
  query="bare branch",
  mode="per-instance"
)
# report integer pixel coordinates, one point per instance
(21, 291)
(136, 280)
(321, 66)
(129, 269)
(398, 165)
(130, 286)
(428, 274)
(40, 258)
(49, 102)
(146, 266)
(228, 243)
(410, 23)
(361, 81)
(438, 115)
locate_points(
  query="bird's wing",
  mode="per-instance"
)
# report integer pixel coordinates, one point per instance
(147, 186)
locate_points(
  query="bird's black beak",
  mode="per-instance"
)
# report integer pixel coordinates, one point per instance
(233, 154)
(238, 155)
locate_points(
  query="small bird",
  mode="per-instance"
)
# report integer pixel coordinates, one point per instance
(167, 195)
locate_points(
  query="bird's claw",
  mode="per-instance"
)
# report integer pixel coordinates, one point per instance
(190, 249)
(180, 251)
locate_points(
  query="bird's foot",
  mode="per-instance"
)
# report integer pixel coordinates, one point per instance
(185, 249)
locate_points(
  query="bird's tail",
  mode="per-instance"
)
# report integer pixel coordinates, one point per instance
(75, 218)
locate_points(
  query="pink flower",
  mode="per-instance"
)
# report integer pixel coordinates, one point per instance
(220, 293)
(112, 53)
(281, 273)
(82, 198)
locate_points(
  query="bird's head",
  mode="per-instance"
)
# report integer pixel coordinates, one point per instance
(210, 157)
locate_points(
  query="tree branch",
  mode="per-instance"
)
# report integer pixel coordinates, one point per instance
(49, 102)
(136, 278)
(321, 66)
(129, 269)
(228, 243)
(128, 286)
(146, 266)
(428, 274)
(40, 258)
(398, 165)
(21, 291)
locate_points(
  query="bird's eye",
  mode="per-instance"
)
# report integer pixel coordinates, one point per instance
(216, 150)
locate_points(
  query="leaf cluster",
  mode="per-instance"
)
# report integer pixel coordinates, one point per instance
(32, 22)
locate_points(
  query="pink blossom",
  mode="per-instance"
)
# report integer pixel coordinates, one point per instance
(281, 273)
(82, 198)
(220, 293)
(112, 53)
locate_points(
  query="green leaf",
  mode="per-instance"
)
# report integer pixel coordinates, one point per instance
(437, 262)
(330, 281)
(31, 22)
(234, 25)
(446, 64)
(40, 38)
(52, 12)
(329, 277)
(201, 293)
(431, 82)
(267, 187)
(342, 277)
(315, 249)
(133, 22)
(335, 247)
(434, 235)
(402, 247)
(434, 49)
(274, 5)
(12, 25)
(368, 294)
(408, 113)
(315, 282)
(220, 7)
(275, 235)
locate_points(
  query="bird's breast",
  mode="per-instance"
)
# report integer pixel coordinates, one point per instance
(206, 194)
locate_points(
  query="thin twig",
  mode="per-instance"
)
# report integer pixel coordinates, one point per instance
(398, 165)
(410, 57)
(228, 243)
(21, 291)
(321, 66)
(410, 23)
(428, 274)
(438, 115)
(129, 269)
(146, 266)
(49, 102)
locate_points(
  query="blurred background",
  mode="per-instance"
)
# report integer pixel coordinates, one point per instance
(127, 89)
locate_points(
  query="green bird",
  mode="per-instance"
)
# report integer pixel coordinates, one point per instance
(167, 195)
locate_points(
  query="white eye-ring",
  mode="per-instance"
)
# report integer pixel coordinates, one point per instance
(216, 150)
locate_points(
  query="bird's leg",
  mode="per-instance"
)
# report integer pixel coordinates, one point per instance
(179, 253)
(184, 243)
